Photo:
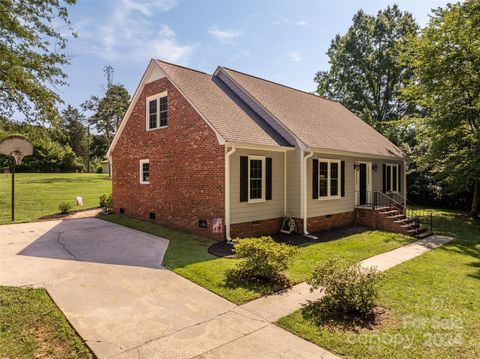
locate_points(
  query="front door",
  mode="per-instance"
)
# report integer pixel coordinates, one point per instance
(363, 183)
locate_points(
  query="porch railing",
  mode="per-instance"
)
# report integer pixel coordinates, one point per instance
(421, 217)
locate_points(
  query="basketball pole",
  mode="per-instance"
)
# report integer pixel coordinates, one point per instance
(13, 191)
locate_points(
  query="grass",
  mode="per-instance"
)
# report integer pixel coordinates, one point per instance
(31, 326)
(187, 255)
(432, 304)
(39, 194)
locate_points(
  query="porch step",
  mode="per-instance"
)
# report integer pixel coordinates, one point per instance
(398, 217)
(416, 231)
(425, 234)
(391, 212)
(405, 220)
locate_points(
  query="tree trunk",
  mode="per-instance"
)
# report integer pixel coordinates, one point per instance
(474, 211)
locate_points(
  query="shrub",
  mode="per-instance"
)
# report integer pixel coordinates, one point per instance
(350, 291)
(65, 207)
(106, 201)
(261, 259)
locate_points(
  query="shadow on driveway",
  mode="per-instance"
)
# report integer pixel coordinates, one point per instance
(94, 240)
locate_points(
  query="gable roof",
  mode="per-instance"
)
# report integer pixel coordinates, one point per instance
(221, 107)
(319, 123)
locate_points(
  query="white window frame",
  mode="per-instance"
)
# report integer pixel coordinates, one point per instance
(142, 162)
(157, 98)
(263, 159)
(387, 166)
(329, 184)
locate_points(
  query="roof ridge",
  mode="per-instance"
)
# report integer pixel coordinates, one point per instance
(183, 67)
(279, 84)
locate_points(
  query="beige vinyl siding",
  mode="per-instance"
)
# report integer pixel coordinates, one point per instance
(294, 202)
(322, 207)
(247, 212)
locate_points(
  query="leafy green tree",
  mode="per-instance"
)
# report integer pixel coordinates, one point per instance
(364, 73)
(108, 111)
(75, 132)
(49, 154)
(445, 63)
(32, 57)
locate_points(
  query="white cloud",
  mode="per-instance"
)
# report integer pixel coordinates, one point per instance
(131, 33)
(279, 19)
(295, 56)
(229, 37)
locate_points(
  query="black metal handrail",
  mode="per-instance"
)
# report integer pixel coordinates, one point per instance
(421, 217)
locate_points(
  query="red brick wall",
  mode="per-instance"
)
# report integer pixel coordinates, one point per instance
(255, 228)
(322, 223)
(375, 219)
(186, 166)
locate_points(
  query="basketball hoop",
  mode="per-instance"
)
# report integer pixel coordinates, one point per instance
(17, 156)
(16, 147)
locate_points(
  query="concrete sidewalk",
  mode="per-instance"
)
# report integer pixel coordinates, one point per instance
(278, 305)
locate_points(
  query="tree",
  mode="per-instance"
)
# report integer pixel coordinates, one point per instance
(108, 111)
(32, 57)
(74, 130)
(364, 74)
(445, 63)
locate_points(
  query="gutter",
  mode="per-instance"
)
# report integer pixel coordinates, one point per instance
(227, 191)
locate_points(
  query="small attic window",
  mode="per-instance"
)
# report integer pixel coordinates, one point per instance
(157, 111)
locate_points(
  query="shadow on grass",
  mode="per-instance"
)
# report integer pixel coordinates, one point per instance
(322, 315)
(58, 180)
(236, 278)
(466, 233)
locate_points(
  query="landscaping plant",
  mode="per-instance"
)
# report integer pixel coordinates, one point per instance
(350, 291)
(106, 202)
(65, 207)
(262, 259)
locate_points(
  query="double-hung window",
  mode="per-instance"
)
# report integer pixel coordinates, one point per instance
(256, 178)
(157, 111)
(392, 178)
(144, 171)
(329, 179)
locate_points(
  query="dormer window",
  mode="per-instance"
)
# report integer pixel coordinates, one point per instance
(157, 111)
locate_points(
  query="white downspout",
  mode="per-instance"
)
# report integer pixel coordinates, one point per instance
(304, 194)
(227, 191)
(284, 183)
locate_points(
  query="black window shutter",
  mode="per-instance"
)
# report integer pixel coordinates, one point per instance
(400, 179)
(315, 178)
(384, 190)
(342, 178)
(243, 178)
(268, 178)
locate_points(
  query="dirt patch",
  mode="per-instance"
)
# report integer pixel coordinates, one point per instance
(81, 213)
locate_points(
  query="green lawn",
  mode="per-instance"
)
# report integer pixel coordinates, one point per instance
(433, 303)
(187, 255)
(31, 326)
(39, 194)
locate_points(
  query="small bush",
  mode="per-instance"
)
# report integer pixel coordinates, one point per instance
(350, 291)
(261, 259)
(65, 207)
(106, 201)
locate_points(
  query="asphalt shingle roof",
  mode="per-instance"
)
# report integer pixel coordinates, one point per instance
(222, 108)
(317, 122)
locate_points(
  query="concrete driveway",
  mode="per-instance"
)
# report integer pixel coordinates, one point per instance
(109, 282)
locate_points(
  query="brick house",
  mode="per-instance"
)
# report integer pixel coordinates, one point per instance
(228, 155)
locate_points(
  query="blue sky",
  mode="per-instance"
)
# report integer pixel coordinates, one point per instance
(284, 41)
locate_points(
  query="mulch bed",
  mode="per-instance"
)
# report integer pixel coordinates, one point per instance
(64, 215)
(223, 249)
